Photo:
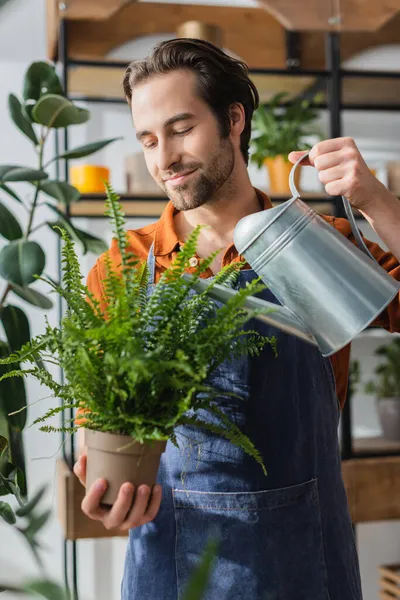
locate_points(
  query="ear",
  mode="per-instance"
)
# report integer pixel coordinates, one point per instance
(237, 118)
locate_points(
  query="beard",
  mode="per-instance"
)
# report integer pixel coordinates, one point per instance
(207, 180)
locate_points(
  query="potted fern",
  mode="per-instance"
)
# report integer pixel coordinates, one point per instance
(277, 130)
(138, 368)
(386, 388)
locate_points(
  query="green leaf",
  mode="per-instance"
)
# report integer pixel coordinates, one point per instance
(20, 119)
(199, 579)
(7, 513)
(87, 241)
(61, 190)
(86, 150)
(56, 111)
(41, 78)
(3, 445)
(11, 480)
(46, 589)
(16, 326)
(12, 398)
(9, 226)
(29, 506)
(10, 192)
(17, 173)
(32, 296)
(20, 261)
(91, 243)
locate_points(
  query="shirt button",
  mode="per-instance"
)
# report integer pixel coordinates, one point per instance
(193, 261)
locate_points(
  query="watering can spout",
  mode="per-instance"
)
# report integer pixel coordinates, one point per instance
(273, 314)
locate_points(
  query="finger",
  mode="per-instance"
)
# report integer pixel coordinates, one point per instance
(295, 156)
(155, 503)
(333, 174)
(146, 507)
(91, 502)
(80, 469)
(327, 161)
(120, 508)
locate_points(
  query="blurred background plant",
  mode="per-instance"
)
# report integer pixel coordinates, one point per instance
(41, 110)
(279, 127)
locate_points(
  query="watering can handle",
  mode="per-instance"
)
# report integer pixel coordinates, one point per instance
(347, 208)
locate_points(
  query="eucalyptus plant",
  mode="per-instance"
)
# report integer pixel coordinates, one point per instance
(42, 109)
(280, 127)
(387, 374)
(137, 363)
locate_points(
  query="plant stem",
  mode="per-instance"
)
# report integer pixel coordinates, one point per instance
(3, 298)
(35, 199)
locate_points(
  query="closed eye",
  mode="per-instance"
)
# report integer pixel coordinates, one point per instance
(183, 132)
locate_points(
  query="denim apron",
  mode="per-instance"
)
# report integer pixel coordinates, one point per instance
(283, 536)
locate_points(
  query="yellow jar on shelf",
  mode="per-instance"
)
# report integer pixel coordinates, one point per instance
(89, 179)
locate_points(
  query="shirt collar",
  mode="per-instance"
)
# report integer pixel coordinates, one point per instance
(166, 239)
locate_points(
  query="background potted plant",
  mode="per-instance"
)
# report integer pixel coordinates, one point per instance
(41, 110)
(137, 364)
(278, 128)
(386, 388)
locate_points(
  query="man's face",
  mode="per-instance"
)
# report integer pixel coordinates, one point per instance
(181, 139)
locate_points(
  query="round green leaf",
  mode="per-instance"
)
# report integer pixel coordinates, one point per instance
(9, 226)
(7, 513)
(20, 119)
(20, 261)
(17, 173)
(87, 149)
(61, 191)
(41, 78)
(32, 296)
(56, 111)
(16, 326)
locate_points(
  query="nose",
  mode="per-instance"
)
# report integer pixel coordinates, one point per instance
(167, 155)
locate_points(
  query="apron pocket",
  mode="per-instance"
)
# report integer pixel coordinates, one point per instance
(270, 543)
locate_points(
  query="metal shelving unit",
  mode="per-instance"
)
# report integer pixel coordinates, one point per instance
(333, 77)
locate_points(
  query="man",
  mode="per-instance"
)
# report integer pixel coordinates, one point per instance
(288, 535)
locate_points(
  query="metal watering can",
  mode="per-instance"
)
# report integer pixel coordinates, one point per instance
(330, 289)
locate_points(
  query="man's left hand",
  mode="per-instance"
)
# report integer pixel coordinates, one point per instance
(343, 171)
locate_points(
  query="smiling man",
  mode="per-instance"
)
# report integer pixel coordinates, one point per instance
(287, 535)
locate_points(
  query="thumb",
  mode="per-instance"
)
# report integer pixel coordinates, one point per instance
(295, 156)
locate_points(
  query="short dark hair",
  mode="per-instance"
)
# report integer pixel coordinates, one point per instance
(222, 80)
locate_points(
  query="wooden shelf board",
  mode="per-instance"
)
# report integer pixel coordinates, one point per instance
(316, 15)
(150, 205)
(106, 82)
(373, 488)
(377, 444)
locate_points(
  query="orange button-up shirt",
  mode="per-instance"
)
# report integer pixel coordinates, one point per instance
(166, 247)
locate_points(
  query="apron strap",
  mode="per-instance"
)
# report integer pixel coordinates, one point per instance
(151, 263)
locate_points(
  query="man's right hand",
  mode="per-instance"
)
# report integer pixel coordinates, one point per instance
(121, 515)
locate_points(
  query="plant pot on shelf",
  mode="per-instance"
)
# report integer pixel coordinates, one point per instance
(89, 179)
(118, 459)
(278, 172)
(389, 416)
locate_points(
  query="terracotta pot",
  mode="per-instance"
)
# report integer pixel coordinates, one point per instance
(389, 416)
(118, 459)
(278, 173)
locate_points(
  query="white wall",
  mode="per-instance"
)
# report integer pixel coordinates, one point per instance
(22, 39)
